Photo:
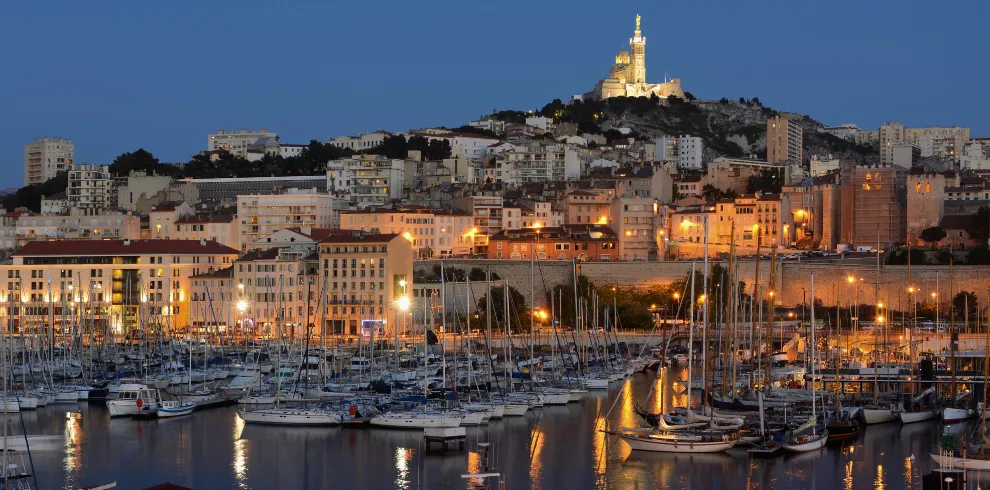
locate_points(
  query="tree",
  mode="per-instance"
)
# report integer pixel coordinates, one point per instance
(723, 100)
(713, 193)
(980, 229)
(478, 274)
(756, 101)
(965, 303)
(30, 196)
(900, 257)
(518, 311)
(742, 100)
(140, 160)
(674, 100)
(979, 255)
(690, 96)
(932, 235)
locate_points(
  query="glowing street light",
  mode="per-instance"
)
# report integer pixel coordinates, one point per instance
(242, 305)
(402, 303)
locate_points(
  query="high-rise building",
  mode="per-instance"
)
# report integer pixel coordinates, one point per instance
(932, 141)
(784, 140)
(45, 157)
(90, 188)
(262, 215)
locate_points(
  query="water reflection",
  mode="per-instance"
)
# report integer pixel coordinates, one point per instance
(73, 432)
(240, 454)
(537, 439)
(878, 481)
(402, 458)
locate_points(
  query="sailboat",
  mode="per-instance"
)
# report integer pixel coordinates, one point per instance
(810, 442)
(842, 426)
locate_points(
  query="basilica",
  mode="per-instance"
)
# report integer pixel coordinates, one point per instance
(628, 75)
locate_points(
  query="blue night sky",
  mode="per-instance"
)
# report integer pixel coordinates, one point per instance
(118, 75)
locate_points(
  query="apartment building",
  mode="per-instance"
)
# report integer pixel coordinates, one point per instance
(541, 163)
(364, 141)
(589, 207)
(364, 275)
(367, 180)
(30, 227)
(90, 188)
(118, 285)
(262, 215)
(432, 233)
(589, 242)
(635, 221)
(46, 157)
(784, 140)
(932, 141)
(221, 228)
(487, 218)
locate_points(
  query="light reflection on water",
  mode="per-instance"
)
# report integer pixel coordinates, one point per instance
(549, 448)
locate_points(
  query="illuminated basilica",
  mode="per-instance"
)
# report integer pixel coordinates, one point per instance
(628, 74)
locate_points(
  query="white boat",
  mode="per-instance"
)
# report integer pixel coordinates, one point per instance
(595, 383)
(807, 442)
(668, 442)
(952, 415)
(171, 408)
(66, 396)
(877, 415)
(416, 420)
(10, 406)
(577, 395)
(953, 461)
(27, 402)
(919, 416)
(469, 417)
(289, 416)
(134, 399)
(561, 397)
(515, 409)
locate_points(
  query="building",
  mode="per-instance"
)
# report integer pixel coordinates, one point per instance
(487, 218)
(596, 243)
(267, 290)
(926, 196)
(213, 301)
(365, 141)
(905, 155)
(555, 162)
(56, 204)
(90, 188)
(364, 275)
(589, 207)
(823, 164)
(957, 231)
(262, 215)
(109, 225)
(366, 180)
(873, 206)
(932, 141)
(432, 233)
(229, 188)
(46, 157)
(222, 228)
(847, 132)
(685, 151)
(118, 285)
(237, 141)
(139, 191)
(785, 137)
(635, 221)
(974, 157)
(627, 77)
(162, 218)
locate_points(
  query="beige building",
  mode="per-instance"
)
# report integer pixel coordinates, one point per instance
(117, 285)
(432, 233)
(487, 218)
(110, 225)
(784, 140)
(925, 204)
(262, 215)
(221, 228)
(138, 192)
(634, 220)
(932, 141)
(90, 189)
(237, 141)
(46, 157)
(364, 275)
(162, 218)
(589, 207)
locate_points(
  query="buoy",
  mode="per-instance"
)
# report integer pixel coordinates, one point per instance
(352, 410)
(139, 402)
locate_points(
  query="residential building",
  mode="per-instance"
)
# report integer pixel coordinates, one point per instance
(492, 125)
(213, 301)
(432, 233)
(589, 207)
(957, 231)
(685, 151)
(110, 225)
(689, 185)
(56, 204)
(364, 275)
(534, 213)
(365, 141)
(266, 283)
(138, 192)
(596, 243)
(784, 140)
(975, 157)
(367, 180)
(823, 164)
(46, 157)
(262, 215)
(237, 141)
(486, 215)
(905, 155)
(90, 188)
(932, 141)
(687, 226)
(162, 218)
(554, 162)
(118, 285)
(462, 145)
(229, 188)
(222, 228)
(634, 219)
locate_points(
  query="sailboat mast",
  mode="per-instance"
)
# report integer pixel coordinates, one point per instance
(691, 340)
(814, 393)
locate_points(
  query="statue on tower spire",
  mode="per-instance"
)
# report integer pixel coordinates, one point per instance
(637, 21)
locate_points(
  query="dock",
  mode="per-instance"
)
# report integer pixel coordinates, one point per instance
(445, 436)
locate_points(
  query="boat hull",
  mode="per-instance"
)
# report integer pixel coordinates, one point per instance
(515, 410)
(958, 462)
(178, 411)
(416, 422)
(674, 446)
(805, 447)
(914, 417)
(289, 417)
(953, 415)
(878, 415)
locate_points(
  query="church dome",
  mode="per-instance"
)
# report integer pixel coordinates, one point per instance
(622, 58)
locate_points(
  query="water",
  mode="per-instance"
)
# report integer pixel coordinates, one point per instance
(556, 447)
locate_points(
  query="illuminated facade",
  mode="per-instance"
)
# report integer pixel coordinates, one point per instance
(628, 75)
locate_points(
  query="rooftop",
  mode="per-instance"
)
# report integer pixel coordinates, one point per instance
(124, 247)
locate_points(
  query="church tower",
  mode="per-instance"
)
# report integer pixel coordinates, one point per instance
(637, 48)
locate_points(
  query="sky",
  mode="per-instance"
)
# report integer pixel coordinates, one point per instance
(115, 76)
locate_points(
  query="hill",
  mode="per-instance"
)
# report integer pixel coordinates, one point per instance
(728, 128)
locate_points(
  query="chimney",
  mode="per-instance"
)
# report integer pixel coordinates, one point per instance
(202, 241)
(127, 241)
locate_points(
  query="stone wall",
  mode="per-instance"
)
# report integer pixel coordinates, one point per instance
(546, 273)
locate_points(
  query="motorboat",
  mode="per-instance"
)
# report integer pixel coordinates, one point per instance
(134, 399)
(171, 408)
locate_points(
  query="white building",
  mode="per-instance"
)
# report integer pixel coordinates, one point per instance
(262, 215)
(847, 132)
(237, 141)
(462, 145)
(492, 125)
(57, 204)
(544, 123)
(90, 188)
(367, 180)
(541, 163)
(45, 157)
(364, 141)
(974, 158)
(823, 164)
(685, 151)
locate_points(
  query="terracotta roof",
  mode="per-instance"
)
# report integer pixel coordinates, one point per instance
(317, 234)
(266, 254)
(770, 197)
(358, 237)
(124, 247)
(165, 206)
